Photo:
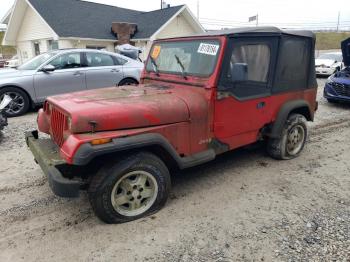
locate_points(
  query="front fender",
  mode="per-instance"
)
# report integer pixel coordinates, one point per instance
(25, 83)
(88, 152)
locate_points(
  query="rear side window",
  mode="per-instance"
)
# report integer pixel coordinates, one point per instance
(293, 65)
(120, 61)
(256, 57)
(97, 60)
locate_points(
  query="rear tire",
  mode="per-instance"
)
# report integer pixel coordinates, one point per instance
(292, 139)
(20, 104)
(128, 82)
(136, 186)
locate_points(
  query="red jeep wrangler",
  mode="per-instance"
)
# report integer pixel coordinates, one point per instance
(200, 96)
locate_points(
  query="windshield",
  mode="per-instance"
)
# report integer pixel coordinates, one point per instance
(336, 57)
(37, 61)
(197, 58)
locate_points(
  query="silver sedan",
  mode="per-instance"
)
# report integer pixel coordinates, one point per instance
(65, 71)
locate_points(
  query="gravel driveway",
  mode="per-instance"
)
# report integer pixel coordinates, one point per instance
(244, 206)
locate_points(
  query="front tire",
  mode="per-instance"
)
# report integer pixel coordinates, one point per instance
(128, 82)
(134, 187)
(331, 101)
(20, 103)
(292, 140)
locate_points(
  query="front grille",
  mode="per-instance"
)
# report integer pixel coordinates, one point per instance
(341, 89)
(58, 125)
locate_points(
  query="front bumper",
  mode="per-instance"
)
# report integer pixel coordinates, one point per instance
(3, 121)
(330, 93)
(46, 154)
(324, 71)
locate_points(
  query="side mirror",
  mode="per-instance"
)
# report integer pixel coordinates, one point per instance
(48, 68)
(239, 72)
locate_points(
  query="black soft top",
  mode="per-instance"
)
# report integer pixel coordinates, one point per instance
(259, 30)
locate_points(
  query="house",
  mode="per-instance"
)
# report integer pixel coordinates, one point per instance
(37, 26)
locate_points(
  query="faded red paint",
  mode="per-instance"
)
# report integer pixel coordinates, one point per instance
(187, 113)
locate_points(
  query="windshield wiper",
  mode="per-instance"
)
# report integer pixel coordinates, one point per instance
(155, 66)
(183, 72)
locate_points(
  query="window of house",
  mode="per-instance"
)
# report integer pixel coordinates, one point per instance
(52, 45)
(36, 48)
(67, 61)
(96, 47)
(99, 59)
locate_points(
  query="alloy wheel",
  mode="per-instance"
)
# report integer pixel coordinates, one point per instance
(134, 193)
(295, 140)
(16, 105)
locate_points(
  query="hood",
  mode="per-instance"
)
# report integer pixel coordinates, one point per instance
(122, 107)
(326, 62)
(11, 72)
(345, 48)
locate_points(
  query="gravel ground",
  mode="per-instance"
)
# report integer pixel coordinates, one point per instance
(244, 206)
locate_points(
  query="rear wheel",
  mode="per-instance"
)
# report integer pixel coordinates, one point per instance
(20, 101)
(128, 82)
(292, 139)
(136, 186)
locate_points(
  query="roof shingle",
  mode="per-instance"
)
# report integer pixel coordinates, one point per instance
(81, 19)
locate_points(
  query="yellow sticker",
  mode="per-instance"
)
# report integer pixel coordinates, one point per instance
(156, 51)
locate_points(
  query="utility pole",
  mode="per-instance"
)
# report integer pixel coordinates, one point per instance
(257, 19)
(161, 4)
(198, 9)
(338, 21)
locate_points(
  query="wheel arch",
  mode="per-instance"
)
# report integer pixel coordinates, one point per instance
(291, 107)
(151, 142)
(129, 78)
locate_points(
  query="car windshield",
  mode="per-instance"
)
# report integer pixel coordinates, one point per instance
(336, 57)
(37, 61)
(197, 58)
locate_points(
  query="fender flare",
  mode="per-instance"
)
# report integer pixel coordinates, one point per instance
(88, 152)
(283, 114)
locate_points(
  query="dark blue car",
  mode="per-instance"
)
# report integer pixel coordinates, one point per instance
(337, 87)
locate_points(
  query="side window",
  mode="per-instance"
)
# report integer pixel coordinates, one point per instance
(97, 59)
(255, 58)
(247, 66)
(67, 61)
(293, 64)
(120, 61)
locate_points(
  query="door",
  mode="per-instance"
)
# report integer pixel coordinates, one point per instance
(103, 70)
(241, 106)
(69, 76)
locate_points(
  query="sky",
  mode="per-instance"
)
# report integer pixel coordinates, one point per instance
(218, 14)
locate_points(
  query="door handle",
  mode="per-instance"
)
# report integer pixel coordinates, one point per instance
(260, 105)
(115, 70)
(78, 73)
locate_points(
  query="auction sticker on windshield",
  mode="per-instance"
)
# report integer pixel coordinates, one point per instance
(208, 49)
(156, 52)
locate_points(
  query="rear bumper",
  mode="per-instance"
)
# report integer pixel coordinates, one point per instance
(46, 154)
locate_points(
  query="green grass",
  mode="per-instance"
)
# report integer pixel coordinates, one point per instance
(330, 40)
(7, 51)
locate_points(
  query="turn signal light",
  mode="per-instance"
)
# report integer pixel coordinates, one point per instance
(100, 141)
